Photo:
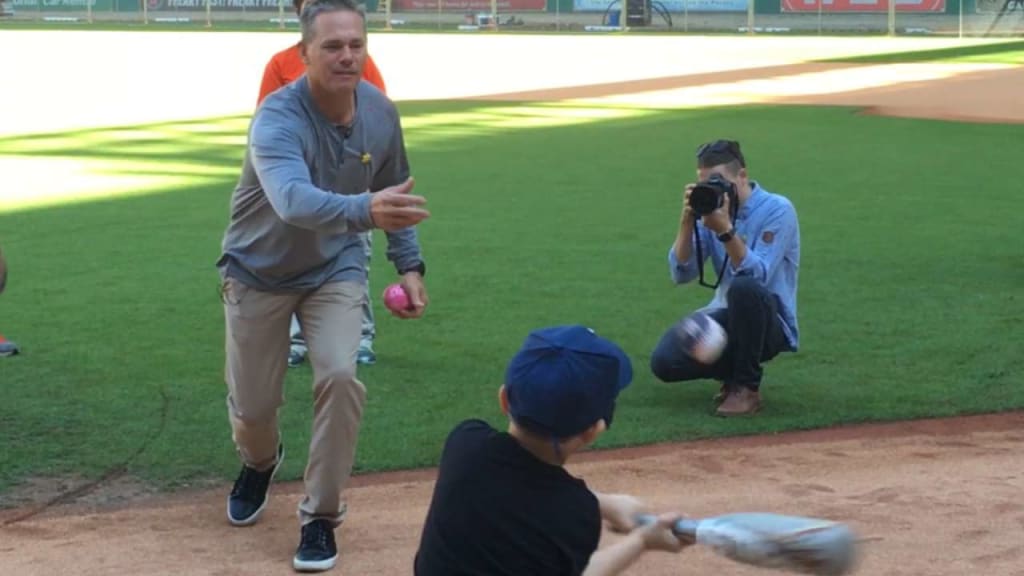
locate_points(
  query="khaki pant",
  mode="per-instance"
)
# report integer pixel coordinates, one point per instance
(369, 326)
(257, 351)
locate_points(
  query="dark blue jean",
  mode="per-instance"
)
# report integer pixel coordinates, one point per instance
(751, 320)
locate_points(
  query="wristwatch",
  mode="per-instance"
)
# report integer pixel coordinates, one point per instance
(419, 266)
(723, 238)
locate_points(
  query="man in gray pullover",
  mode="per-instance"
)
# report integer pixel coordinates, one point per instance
(317, 149)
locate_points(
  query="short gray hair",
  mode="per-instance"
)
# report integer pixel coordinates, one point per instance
(313, 8)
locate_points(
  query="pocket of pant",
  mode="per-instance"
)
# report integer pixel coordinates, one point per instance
(232, 292)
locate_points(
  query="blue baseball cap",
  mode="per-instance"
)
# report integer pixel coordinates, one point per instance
(564, 379)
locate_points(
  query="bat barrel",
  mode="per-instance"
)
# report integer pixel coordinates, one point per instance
(791, 543)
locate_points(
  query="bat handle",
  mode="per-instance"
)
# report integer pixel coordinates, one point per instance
(685, 527)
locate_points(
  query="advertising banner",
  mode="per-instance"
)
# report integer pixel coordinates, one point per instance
(59, 5)
(483, 6)
(832, 6)
(135, 5)
(218, 5)
(674, 6)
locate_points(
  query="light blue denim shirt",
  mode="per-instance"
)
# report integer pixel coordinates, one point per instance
(767, 224)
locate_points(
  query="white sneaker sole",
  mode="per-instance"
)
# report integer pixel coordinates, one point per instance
(314, 566)
(259, 511)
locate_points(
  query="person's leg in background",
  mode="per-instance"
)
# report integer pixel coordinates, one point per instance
(7, 348)
(369, 328)
(755, 336)
(255, 345)
(331, 318)
(297, 351)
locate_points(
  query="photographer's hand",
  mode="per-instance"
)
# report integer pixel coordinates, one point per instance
(686, 219)
(719, 221)
(684, 237)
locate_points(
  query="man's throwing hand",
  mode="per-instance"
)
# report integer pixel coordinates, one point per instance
(393, 208)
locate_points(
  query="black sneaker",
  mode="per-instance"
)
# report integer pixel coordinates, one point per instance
(249, 495)
(317, 551)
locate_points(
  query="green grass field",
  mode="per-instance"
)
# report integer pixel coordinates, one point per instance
(910, 302)
(996, 53)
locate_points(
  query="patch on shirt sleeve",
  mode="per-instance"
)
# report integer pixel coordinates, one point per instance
(767, 237)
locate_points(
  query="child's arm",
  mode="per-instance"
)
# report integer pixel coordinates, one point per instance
(616, 558)
(620, 510)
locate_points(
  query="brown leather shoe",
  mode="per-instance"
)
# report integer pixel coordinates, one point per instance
(742, 401)
(723, 393)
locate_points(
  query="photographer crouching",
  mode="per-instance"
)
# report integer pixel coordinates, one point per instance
(753, 239)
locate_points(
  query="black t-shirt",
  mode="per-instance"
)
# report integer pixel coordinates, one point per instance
(498, 510)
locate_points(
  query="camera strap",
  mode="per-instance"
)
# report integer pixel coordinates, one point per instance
(700, 262)
(733, 212)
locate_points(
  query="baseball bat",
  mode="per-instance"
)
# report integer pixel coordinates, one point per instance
(792, 543)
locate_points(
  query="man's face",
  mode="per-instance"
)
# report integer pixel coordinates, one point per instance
(739, 179)
(335, 54)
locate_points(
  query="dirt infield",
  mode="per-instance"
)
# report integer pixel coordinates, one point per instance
(935, 497)
(962, 92)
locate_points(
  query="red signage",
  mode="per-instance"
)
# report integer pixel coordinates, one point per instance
(863, 5)
(469, 5)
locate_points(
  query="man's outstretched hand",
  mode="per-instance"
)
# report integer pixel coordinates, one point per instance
(394, 208)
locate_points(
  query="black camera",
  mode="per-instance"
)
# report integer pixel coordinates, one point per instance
(709, 195)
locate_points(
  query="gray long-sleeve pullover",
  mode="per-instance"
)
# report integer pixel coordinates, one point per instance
(304, 193)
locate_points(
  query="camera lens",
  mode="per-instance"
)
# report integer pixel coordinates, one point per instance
(704, 199)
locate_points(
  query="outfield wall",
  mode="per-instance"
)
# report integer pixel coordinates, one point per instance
(224, 8)
(961, 17)
(764, 7)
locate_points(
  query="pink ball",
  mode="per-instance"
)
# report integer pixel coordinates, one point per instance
(396, 299)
